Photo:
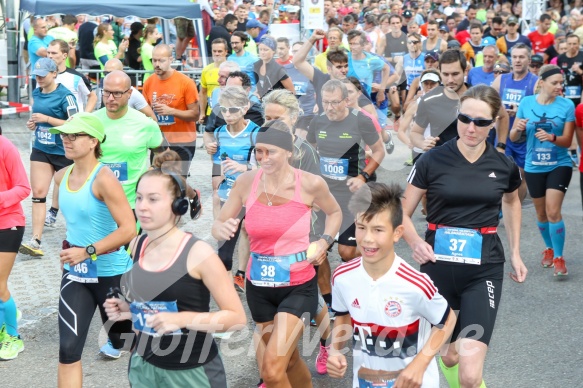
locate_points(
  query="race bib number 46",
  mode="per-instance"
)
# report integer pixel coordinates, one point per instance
(458, 245)
(84, 272)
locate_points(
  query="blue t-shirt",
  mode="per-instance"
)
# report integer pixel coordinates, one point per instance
(513, 91)
(36, 43)
(413, 67)
(60, 104)
(478, 76)
(364, 69)
(245, 62)
(545, 156)
(304, 88)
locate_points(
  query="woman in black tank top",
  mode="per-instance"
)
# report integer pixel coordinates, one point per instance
(167, 293)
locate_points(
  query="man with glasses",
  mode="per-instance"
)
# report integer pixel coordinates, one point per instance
(174, 98)
(241, 56)
(339, 135)
(512, 88)
(512, 37)
(129, 133)
(413, 62)
(536, 62)
(334, 37)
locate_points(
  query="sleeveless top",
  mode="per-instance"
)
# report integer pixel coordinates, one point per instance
(413, 67)
(435, 49)
(88, 221)
(512, 92)
(280, 230)
(171, 284)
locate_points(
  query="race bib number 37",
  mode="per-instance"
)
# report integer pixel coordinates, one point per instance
(458, 245)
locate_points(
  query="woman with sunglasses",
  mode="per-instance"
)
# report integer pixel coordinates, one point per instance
(281, 287)
(467, 181)
(234, 155)
(549, 122)
(53, 104)
(99, 223)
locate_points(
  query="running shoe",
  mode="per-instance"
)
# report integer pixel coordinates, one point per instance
(239, 283)
(389, 145)
(331, 313)
(225, 335)
(108, 351)
(3, 332)
(574, 159)
(560, 267)
(321, 360)
(547, 261)
(11, 347)
(313, 322)
(50, 219)
(32, 248)
(409, 162)
(261, 385)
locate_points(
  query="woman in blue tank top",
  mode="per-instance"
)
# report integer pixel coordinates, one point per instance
(99, 222)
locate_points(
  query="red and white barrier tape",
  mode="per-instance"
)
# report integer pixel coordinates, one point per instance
(14, 107)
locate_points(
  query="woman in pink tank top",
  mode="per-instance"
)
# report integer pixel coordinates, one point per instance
(281, 285)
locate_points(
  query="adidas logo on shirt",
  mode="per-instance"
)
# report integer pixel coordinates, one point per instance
(492, 175)
(355, 304)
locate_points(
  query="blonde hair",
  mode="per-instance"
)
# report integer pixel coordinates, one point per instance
(285, 98)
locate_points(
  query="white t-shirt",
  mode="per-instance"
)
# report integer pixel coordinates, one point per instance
(137, 101)
(391, 317)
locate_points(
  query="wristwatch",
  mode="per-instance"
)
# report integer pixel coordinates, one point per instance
(366, 176)
(91, 251)
(501, 145)
(329, 239)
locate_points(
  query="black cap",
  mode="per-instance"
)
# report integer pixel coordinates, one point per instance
(136, 27)
(537, 58)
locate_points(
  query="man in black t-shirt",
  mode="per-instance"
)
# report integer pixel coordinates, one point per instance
(438, 109)
(571, 63)
(340, 134)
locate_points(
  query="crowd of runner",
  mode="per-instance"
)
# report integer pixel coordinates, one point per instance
(295, 132)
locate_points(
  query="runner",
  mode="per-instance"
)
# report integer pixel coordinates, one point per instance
(92, 259)
(181, 299)
(53, 104)
(462, 246)
(174, 98)
(549, 122)
(151, 37)
(269, 75)
(512, 89)
(283, 297)
(340, 134)
(209, 78)
(14, 188)
(386, 283)
(104, 46)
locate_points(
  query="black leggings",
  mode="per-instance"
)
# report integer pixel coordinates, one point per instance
(227, 247)
(77, 304)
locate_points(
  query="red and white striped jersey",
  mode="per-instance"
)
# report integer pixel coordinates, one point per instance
(391, 316)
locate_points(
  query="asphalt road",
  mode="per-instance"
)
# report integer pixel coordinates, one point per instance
(535, 344)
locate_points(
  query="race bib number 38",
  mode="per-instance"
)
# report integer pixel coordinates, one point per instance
(270, 271)
(458, 245)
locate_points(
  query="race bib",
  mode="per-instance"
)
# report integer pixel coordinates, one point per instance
(120, 170)
(272, 271)
(300, 88)
(44, 136)
(512, 96)
(370, 378)
(458, 245)
(84, 272)
(165, 119)
(333, 168)
(225, 188)
(142, 310)
(573, 91)
(544, 156)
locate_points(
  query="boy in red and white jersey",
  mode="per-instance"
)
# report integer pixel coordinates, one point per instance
(385, 305)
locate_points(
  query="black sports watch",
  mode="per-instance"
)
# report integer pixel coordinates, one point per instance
(501, 145)
(91, 251)
(366, 176)
(329, 239)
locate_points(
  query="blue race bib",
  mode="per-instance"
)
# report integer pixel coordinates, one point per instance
(165, 119)
(458, 245)
(44, 136)
(272, 271)
(572, 91)
(512, 96)
(84, 272)
(544, 155)
(142, 310)
(120, 170)
(301, 88)
(225, 188)
(334, 168)
(365, 383)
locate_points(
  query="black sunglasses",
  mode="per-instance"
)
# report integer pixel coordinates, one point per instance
(477, 122)
(232, 110)
(537, 65)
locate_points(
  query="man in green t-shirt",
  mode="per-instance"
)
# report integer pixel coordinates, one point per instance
(67, 33)
(129, 134)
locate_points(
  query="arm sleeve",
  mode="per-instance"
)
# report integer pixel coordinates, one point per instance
(570, 113)
(310, 161)
(433, 306)
(20, 188)
(514, 179)
(418, 175)
(367, 129)
(156, 137)
(311, 135)
(137, 100)
(421, 118)
(34, 44)
(338, 302)
(191, 93)
(281, 74)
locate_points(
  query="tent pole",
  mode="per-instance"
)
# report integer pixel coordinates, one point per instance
(11, 51)
(201, 41)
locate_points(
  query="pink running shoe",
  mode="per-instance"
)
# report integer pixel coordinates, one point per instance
(321, 360)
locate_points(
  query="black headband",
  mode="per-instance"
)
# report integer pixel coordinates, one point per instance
(276, 137)
(550, 72)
